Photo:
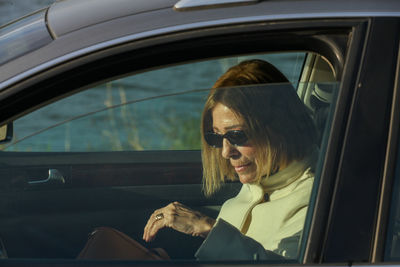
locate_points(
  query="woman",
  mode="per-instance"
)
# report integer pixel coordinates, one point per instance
(263, 136)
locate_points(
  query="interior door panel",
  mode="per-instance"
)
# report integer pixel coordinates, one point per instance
(120, 195)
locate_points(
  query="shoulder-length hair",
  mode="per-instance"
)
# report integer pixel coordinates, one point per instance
(275, 120)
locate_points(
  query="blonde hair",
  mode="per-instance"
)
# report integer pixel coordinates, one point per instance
(275, 120)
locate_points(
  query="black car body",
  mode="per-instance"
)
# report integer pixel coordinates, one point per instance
(74, 45)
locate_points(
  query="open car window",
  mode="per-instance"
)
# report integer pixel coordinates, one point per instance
(155, 110)
(73, 176)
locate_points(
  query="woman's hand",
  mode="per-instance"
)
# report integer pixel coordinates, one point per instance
(180, 218)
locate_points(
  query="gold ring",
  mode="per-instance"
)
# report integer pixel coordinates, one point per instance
(159, 216)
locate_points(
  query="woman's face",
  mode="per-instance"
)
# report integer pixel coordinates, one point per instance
(242, 158)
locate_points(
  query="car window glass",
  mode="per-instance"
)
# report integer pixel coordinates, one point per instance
(147, 111)
(122, 153)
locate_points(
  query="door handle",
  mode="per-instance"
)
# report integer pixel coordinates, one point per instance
(55, 176)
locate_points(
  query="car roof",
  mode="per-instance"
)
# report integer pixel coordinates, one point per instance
(70, 15)
(69, 26)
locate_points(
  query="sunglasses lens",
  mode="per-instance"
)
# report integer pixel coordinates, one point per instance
(213, 139)
(236, 138)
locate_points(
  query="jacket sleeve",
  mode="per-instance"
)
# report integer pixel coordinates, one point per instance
(225, 242)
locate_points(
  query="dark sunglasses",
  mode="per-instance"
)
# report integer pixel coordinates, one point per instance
(236, 138)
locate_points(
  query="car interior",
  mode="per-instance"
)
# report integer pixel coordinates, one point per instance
(146, 154)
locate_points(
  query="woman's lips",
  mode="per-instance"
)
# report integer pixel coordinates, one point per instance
(241, 168)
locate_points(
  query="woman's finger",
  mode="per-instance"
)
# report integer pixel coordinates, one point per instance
(158, 220)
(150, 223)
(154, 228)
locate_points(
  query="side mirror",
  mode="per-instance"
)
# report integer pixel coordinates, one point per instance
(6, 133)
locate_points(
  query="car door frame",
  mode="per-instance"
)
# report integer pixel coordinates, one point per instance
(352, 228)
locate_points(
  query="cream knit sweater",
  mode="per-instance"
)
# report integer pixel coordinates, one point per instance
(274, 223)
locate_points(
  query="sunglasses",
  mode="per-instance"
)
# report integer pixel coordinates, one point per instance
(236, 138)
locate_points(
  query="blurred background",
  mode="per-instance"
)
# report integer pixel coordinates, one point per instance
(14, 9)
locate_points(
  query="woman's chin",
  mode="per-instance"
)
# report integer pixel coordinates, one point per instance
(247, 179)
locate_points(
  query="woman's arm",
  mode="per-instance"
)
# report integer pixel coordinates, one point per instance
(180, 218)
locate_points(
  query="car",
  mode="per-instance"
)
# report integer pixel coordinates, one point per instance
(100, 106)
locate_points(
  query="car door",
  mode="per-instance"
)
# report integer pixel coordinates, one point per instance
(113, 134)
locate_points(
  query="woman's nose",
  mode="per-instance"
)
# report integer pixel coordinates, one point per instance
(228, 150)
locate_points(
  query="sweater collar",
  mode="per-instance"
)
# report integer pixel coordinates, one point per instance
(288, 175)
